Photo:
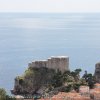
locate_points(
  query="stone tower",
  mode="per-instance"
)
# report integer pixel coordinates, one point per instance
(58, 62)
(97, 72)
(55, 62)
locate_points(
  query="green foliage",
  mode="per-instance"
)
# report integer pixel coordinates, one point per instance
(4, 96)
(83, 82)
(76, 86)
(10, 98)
(76, 74)
(35, 78)
(68, 88)
(77, 71)
(29, 72)
(57, 79)
(67, 76)
(71, 78)
(89, 78)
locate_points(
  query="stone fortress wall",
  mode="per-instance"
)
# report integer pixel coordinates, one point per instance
(97, 72)
(55, 62)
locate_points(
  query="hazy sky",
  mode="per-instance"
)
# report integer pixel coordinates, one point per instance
(50, 5)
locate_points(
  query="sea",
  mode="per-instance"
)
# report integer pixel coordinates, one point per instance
(25, 37)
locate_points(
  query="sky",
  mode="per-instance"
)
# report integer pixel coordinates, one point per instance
(49, 5)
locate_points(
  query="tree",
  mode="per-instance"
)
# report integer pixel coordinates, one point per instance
(77, 71)
(75, 75)
(2, 94)
(57, 79)
(67, 77)
(85, 75)
(89, 78)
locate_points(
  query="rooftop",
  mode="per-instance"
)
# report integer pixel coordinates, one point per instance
(59, 57)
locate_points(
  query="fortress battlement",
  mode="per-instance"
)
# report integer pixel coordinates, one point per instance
(55, 62)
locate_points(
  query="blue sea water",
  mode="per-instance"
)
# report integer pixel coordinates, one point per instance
(25, 37)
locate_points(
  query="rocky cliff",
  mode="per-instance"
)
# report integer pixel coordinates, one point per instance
(34, 80)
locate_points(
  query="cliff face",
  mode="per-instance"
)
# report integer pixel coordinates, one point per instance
(35, 80)
(97, 72)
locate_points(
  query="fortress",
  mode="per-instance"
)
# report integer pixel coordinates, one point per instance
(55, 62)
(97, 72)
(42, 78)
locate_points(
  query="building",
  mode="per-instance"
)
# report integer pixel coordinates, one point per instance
(67, 96)
(58, 62)
(84, 91)
(97, 72)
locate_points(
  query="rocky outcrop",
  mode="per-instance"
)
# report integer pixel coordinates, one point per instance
(97, 72)
(39, 75)
(34, 80)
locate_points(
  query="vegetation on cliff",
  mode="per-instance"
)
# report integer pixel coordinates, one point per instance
(4, 96)
(33, 80)
(43, 80)
(90, 79)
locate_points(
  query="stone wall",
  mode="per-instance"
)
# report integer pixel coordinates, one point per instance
(97, 72)
(59, 62)
(41, 63)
